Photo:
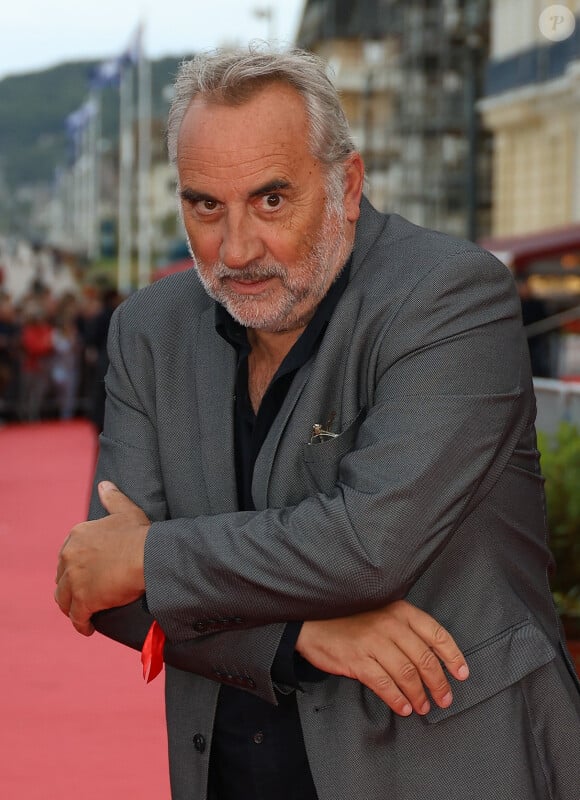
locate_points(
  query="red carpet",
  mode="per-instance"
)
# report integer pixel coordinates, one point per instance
(77, 722)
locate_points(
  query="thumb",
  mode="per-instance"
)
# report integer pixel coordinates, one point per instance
(113, 500)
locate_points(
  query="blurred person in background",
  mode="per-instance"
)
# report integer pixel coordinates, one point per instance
(37, 347)
(9, 356)
(94, 322)
(66, 359)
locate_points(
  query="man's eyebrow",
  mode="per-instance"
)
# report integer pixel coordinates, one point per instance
(191, 196)
(270, 187)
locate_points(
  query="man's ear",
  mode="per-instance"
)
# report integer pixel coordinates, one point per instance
(353, 186)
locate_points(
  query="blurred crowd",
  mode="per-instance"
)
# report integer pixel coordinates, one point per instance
(53, 354)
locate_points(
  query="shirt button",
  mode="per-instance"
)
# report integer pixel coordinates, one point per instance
(258, 737)
(199, 742)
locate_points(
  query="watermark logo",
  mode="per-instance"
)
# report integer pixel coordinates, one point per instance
(557, 23)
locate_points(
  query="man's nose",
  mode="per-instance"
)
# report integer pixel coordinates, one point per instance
(241, 243)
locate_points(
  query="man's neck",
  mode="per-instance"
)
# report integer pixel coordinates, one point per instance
(273, 347)
(268, 351)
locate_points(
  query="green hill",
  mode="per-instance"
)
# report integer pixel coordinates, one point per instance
(33, 108)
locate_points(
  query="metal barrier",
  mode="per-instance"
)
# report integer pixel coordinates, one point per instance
(557, 401)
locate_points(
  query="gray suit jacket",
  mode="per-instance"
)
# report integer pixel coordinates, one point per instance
(432, 492)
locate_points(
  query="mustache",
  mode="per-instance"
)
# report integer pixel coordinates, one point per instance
(251, 272)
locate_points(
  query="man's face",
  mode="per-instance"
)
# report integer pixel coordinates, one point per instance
(266, 239)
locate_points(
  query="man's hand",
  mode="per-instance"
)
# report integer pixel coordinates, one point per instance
(100, 564)
(394, 650)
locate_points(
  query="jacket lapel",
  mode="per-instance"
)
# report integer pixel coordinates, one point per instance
(267, 454)
(216, 370)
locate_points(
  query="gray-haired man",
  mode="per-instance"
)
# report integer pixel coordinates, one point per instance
(331, 413)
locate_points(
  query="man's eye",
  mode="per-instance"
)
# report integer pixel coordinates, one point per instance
(272, 200)
(205, 206)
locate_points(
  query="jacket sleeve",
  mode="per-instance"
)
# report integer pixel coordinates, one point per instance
(224, 656)
(446, 406)
(244, 658)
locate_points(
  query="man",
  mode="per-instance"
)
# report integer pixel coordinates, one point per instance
(330, 433)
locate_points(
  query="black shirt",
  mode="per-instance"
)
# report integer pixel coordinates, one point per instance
(257, 748)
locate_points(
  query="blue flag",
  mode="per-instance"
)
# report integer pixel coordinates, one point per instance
(107, 73)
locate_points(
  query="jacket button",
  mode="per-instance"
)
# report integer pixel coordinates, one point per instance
(258, 737)
(200, 626)
(199, 742)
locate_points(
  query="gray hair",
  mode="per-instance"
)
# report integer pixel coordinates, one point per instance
(231, 77)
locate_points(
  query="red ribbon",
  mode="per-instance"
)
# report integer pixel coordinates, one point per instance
(152, 652)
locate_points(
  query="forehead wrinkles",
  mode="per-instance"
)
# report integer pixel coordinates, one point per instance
(234, 139)
(233, 166)
(271, 119)
(231, 157)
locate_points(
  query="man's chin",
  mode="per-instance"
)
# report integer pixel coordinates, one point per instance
(256, 312)
(257, 323)
(250, 311)
(261, 322)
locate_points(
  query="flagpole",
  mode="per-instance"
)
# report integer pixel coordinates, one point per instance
(78, 194)
(85, 187)
(125, 179)
(144, 166)
(68, 204)
(94, 210)
(87, 206)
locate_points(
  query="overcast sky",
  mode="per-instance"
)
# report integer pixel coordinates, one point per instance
(35, 34)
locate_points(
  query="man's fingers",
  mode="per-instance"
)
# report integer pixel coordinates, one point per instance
(380, 682)
(84, 626)
(79, 615)
(415, 664)
(441, 643)
(424, 649)
(445, 647)
(411, 671)
(63, 596)
(60, 568)
(424, 669)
